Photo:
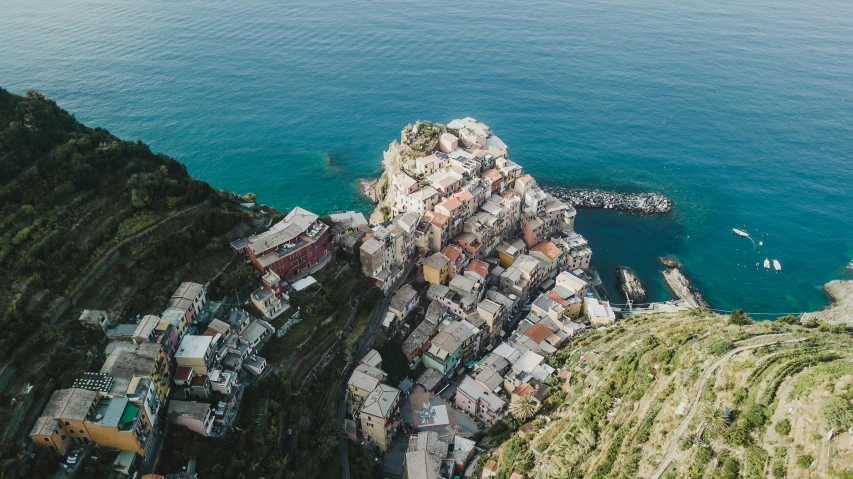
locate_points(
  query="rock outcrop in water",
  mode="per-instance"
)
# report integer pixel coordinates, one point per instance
(630, 285)
(681, 287)
(637, 202)
(670, 263)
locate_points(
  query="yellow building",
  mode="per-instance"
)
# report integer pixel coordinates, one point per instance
(78, 416)
(436, 268)
(127, 362)
(62, 423)
(115, 422)
(380, 415)
(507, 254)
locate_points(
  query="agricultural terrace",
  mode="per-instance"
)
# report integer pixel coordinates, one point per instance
(691, 396)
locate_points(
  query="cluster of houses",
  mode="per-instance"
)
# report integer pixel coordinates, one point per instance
(159, 365)
(375, 408)
(509, 283)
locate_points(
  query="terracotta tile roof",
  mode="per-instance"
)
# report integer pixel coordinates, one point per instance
(450, 204)
(437, 219)
(183, 373)
(523, 390)
(479, 267)
(491, 466)
(451, 252)
(463, 195)
(538, 333)
(492, 175)
(547, 248)
(556, 297)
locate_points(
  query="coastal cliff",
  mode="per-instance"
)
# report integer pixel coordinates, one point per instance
(841, 311)
(415, 141)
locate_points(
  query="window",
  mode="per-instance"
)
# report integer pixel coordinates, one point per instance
(82, 431)
(67, 423)
(63, 437)
(47, 439)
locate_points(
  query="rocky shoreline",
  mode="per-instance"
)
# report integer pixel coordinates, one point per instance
(841, 310)
(630, 285)
(681, 288)
(650, 203)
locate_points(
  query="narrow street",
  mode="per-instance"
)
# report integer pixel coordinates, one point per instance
(364, 344)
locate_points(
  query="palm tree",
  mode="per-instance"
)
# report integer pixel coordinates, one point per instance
(714, 418)
(523, 407)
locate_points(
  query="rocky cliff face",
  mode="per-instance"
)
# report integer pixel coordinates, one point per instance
(841, 312)
(415, 141)
(630, 284)
(681, 287)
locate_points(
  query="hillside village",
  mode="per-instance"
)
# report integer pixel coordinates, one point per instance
(508, 284)
(478, 350)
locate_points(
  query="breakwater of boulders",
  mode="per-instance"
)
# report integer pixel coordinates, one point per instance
(638, 202)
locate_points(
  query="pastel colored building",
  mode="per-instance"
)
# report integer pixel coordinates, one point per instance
(436, 268)
(473, 398)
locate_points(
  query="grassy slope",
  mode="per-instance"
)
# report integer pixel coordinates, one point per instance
(616, 421)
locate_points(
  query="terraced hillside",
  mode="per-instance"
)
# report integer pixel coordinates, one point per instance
(694, 397)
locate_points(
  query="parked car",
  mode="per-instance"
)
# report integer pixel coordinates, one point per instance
(72, 456)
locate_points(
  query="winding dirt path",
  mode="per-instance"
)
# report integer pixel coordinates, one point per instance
(672, 449)
(94, 267)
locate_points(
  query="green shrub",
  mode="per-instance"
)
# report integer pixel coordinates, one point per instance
(645, 427)
(805, 460)
(838, 413)
(788, 319)
(778, 468)
(721, 347)
(783, 427)
(740, 318)
(740, 395)
(755, 458)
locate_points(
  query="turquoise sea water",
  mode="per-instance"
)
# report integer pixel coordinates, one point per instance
(742, 112)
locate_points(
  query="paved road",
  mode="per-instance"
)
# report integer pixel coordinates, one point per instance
(672, 449)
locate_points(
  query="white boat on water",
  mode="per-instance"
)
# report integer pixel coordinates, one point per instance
(767, 263)
(776, 265)
(740, 232)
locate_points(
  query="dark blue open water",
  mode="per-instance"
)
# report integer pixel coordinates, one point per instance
(742, 112)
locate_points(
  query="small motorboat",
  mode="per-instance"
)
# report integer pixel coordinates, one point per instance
(767, 263)
(740, 232)
(776, 265)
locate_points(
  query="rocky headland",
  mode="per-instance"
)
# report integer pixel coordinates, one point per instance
(681, 287)
(650, 203)
(630, 285)
(841, 311)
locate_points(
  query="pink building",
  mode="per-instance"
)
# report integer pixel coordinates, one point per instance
(447, 143)
(457, 259)
(477, 401)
